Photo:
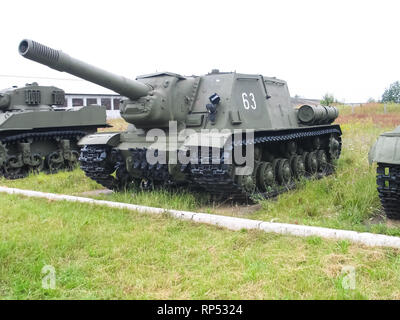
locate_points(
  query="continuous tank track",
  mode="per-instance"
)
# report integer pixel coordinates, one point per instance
(18, 156)
(100, 162)
(220, 178)
(269, 178)
(388, 179)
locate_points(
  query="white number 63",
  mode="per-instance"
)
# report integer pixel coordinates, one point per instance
(246, 103)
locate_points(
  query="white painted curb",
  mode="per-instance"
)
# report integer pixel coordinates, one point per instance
(232, 223)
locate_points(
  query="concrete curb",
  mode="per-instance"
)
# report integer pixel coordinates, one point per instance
(231, 223)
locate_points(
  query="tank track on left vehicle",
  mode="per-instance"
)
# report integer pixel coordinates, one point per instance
(19, 163)
(388, 180)
(99, 162)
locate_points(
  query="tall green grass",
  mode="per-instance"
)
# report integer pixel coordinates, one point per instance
(103, 253)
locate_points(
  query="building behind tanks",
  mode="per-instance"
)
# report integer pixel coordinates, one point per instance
(110, 101)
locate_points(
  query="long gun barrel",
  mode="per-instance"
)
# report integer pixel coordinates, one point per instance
(61, 61)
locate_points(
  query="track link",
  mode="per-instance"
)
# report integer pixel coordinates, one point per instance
(97, 165)
(388, 180)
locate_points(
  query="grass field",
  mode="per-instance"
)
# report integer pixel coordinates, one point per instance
(105, 253)
(101, 253)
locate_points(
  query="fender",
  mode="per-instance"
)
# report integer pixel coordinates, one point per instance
(103, 138)
(387, 148)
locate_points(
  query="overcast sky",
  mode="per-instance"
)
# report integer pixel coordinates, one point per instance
(348, 48)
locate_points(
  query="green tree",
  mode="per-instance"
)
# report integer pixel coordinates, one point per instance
(392, 94)
(327, 99)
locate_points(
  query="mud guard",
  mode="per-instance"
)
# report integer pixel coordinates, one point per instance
(105, 138)
(386, 149)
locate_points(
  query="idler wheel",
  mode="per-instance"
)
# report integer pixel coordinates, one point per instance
(283, 173)
(265, 176)
(322, 161)
(311, 163)
(298, 166)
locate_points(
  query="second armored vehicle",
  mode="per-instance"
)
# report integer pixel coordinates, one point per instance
(386, 152)
(37, 133)
(197, 130)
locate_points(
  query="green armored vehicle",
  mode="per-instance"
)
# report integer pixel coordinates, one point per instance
(230, 134)
(37, 133)
(386, 152)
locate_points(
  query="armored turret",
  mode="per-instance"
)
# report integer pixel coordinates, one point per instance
(31, 97)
